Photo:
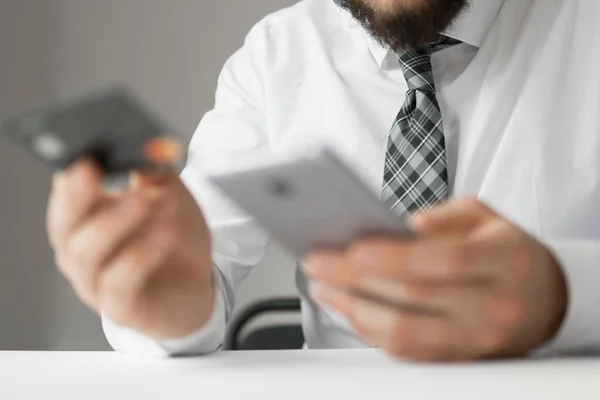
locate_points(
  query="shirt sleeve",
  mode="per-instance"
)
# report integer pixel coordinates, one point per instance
(580, 332)
(206, 340)
(236, 125)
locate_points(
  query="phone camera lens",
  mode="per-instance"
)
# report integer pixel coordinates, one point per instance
(280, 188)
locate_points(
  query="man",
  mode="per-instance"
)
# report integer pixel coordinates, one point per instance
(488, 99)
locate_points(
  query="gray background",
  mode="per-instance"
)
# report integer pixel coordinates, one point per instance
(171, 52)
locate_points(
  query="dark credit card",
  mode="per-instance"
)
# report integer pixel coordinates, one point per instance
(111, 126)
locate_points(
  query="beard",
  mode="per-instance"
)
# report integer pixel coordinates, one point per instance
(405, 27)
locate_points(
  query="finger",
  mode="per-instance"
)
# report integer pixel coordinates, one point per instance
(415, 296)
(481, 312)
(91, 246)
(464, 300)
(458, 217)
(125, 276)
(75, 192)
(443, 261)
(439, 299)
(407, 335)
(475, 305)
(328, 265)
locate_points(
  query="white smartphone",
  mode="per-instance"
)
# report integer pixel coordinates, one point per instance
(308, 200)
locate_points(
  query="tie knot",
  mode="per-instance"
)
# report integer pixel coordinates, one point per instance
(416, 64)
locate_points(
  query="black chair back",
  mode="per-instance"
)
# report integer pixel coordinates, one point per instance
(279, 337)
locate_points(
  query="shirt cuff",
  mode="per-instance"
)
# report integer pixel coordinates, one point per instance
(204, 341)
(580, 331)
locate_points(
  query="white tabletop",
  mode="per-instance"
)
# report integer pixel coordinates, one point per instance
(307, 375)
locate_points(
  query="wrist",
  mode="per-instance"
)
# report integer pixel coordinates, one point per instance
(558, 298)
(190, 313)
(177, 303)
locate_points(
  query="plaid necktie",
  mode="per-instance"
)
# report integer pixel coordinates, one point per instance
(415, 175)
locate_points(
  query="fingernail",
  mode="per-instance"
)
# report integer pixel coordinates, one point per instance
(321, 264)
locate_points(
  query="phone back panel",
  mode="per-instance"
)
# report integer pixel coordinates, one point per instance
(309, 201)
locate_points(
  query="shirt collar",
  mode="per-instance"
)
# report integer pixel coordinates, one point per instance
(471, 27)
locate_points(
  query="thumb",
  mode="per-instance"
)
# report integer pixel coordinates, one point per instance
(458, 217)
(144, 180)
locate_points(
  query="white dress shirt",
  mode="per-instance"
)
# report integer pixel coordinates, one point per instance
(521, 106)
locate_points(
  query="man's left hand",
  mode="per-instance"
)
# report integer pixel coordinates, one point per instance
(471, 286)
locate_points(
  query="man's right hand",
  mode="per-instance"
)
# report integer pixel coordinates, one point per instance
(142, 257)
